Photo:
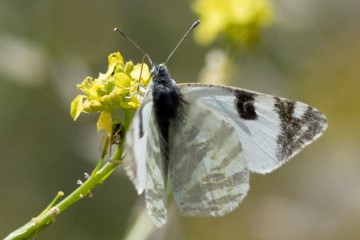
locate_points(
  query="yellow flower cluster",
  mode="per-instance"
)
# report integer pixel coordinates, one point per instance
(116, 89)
(238, 20)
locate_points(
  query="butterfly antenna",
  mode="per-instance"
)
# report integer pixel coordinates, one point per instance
(134, 43)
(194, 25)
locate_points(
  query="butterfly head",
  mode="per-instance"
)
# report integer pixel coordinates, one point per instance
(160, 74)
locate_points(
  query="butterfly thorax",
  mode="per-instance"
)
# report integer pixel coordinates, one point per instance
(166, 94)
(166, 101)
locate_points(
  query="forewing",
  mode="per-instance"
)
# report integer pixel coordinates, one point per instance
(271, 129)
(136, 151)
(143, 160)
(208, 173)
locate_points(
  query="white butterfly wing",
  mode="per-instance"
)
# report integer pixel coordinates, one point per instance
(208, 172)
(271, 129)
(136, 146)
(143, 162)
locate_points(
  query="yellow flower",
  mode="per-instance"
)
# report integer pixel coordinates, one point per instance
(118, 88)
(238, 20)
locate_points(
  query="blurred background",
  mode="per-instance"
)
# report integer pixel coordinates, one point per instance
(310, 52)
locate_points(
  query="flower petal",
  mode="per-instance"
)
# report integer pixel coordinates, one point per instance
(105, 122)
(76, 106)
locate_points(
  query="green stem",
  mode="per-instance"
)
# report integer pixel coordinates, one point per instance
(128, 114)
(100, 173)
(59, 195)
(48, 216)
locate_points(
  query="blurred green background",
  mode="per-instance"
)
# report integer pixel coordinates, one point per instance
(311, 53)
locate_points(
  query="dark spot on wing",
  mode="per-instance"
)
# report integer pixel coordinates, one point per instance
(289, 128)
(296, 132)
(141, 128)
(244, 104)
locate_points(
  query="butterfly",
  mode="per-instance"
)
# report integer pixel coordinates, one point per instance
(203, 141)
